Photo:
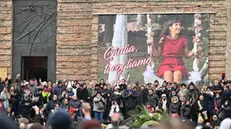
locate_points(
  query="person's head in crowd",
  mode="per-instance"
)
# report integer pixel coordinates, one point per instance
(22, 123)
(210, 84)
(102, 81)
(164, 97)
(137, 83)
(153, 86)
(98, 95)
(175, 99)
(123, 81)
(66, 83)
(149, 85)
(209, 92)
(105, 87)
(84, 85)
(142, 87)
(164, 84)
(57, 106)
(173, 93)
(92, 85)
(207, 124)
(69, 88)
(169, 86)
(201, 97)
(54, 98)
(49, 83)
(74, 97)
(191, 86)
(217, 95)
(8, 109)
(65, 101)
(101, 86)
(150, 92)
(60, 83)
(216, 83)
(40, 86)
(31, 82)
(183, 86)
(175, 85)
(6, 81)
(26, 96)
(116, 88)
(129, 87)
(215, 118)
(59, 120)
(86, 109)
(77, 85)
(97, 86)
(5, 90)
(202, 90)
(227, 102)
(15, 85)
(81, 86)
(225, 88)
(134, 87)
(91, 124)
(156, 83)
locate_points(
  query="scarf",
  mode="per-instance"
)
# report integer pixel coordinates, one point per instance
(164, 105)
(199, 105)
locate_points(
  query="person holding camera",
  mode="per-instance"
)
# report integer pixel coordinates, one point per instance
(114, 108)
(98, 107)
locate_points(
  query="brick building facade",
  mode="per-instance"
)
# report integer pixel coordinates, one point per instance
(77, 32)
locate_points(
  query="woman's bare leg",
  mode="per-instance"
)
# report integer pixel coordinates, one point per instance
(177, 76)
(168, 76)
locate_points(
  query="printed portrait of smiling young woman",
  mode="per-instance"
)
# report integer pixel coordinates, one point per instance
(173, 46)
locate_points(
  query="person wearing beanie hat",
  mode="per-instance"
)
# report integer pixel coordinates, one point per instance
(60, 120)
(59, 89)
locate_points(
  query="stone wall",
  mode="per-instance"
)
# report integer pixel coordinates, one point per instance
(77, 32)
(6, 34)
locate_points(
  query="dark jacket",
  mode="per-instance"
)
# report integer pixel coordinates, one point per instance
(185, 111)
(152, 100)
(129, 100)
(51, 105)
(82, 94)
(175, 108)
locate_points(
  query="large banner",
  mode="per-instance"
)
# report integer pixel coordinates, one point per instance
(151, 47)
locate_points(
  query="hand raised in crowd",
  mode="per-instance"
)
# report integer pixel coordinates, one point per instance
(36, 108)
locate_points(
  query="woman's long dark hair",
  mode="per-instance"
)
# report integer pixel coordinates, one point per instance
(169, 23)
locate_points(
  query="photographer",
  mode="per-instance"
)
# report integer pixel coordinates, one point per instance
(98, 107)
(114, 108)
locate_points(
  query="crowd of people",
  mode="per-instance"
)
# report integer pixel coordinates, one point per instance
(38, 100)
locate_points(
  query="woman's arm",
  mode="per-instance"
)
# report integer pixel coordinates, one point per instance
(188, 53)
(157, 52)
